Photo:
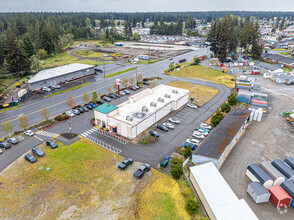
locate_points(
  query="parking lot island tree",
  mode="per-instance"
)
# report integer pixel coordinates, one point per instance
(109, 90)
(7, 127)
(94, 97)
(70, 102)
(152, 84)
(131, 81)
(99, 95)
(115, 87)
(45, 114)
(23, 122)
(86, 97)
(140, 77)
(125, 82)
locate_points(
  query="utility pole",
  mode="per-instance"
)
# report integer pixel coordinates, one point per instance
(136, 76)
(53, 103)
(103, 70)
(69, 121)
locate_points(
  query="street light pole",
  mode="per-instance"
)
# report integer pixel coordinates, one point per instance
(69, 121)
(136, 76)
(103, 70)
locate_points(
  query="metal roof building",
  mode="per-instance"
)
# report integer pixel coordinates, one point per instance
(216, 195)
(60, 75)
(222, 139)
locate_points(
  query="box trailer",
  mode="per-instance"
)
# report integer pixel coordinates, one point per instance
(288, 186)
(283, 168)
(279, 197)
(258, 193)
(256, 174)
(276, 175)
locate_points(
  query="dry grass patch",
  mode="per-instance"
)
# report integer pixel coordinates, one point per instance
(205, 93)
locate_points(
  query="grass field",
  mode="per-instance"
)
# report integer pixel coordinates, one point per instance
(119, 72)
(205, 93)
(97, 42)
(67, 90)
(89, 53)
(84, 182)
(59, 60)
(202, 72)
(285, 53)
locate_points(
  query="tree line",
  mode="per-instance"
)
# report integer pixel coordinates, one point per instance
(229, 33)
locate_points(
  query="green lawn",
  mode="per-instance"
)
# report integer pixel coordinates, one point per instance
(89, 53)
(277, 49)
(202, 72)
(59, 60)
(92, 62)
(119, 72)
(286, 53)
(66, 90)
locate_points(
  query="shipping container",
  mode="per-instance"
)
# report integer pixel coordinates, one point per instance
(256, 174)
(290, 161)
(283, 168)
(258, 193)
(276, 175)
(288, 186)
(279, 197)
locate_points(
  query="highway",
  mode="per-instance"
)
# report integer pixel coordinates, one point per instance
(32, 109)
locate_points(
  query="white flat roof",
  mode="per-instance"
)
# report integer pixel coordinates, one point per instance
(219, 195)
(58, 71)
(135, 102)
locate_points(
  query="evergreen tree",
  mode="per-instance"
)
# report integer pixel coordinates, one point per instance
(45, 37)
(179, 27)
(143, 21)
(282, 24)
(102, 22)
(28, 46)
(19, 27)
(161, 21)
(213, 37)
(1, 50)
(88, 22)
(224, 38)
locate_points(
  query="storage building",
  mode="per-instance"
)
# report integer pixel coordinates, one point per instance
(283, 168)
(276, 175)
(141, 110)
(258, 193)
(256, 174)
(290, 162)
(217, 197)
(288, 186)
(279, 197)
(60, 75)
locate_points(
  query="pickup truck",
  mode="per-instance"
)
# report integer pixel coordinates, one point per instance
(123, 165)
(143, 168)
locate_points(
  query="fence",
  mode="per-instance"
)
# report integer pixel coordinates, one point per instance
(112, 136)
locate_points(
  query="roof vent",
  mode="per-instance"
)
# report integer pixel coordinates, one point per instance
(144, 109)
(153, 104)
(167, 96)
(160, 100)
(175, 91)
(129, 118)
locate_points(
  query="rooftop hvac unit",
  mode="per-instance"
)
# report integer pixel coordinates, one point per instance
(175, 91)
(144, 109)
(153, 104)
(167, 96)
(160, 100)
(129, 118)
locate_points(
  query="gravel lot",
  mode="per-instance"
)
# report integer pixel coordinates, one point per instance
(269, 139)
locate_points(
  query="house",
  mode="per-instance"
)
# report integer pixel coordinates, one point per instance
(287, 62)
(258, 193)
(272, 58)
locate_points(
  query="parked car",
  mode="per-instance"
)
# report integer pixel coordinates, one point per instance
(133, 88)
(168, 125)
(70, 113)
(186, 144)
(175, 120)
(164, 161)
(76, 112)
(193, 141)
(147, 83)
(204, 125)
(56, 86)
(12, 140)
(92, 104)
(37, 151)
(1, 151)
(205, 129)
(89, 107)
(51, 144)
(29, 133)
(198, 135)
(191, 105)
(137, 87)
(105, 98)
(46, 89)
(141, 171)
(170, 58)
(154, 133)
(201, 131)
(116, 95)
(123, 165)
(30, 158)
(85, 108)
(4, 145)
(100, 102)
(122, 93)
(81, 109)
(127, 91)
(112, 96)
(290, 83)
(162, 127)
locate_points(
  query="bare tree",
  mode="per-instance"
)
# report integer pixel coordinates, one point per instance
(99, 95)
(7, 127)
(131, 81)
(86, 97)
(70, 102)
(115, 86)
(140, 77)
(109, 90)
(45, 114)
(152, 84)
(125, 82)
(23, 122)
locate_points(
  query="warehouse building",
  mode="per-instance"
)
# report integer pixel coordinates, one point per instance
(217, 197)
(140, 111)
(223, 138)
(60, 75)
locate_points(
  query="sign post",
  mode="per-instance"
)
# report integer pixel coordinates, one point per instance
(118, 84)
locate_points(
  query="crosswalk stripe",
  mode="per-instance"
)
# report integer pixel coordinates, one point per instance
(38, 138)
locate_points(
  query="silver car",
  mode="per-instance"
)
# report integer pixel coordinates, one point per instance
(191, 105)
(205, 126)
(202, 131)
(168, 125)
(198, 135)
(175, 120)
(193, 141)
(29, 133)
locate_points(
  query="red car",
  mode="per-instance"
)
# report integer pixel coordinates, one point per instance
(133, 88)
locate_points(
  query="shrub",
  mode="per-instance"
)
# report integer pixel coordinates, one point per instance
(225, 107)
(232, 99)
(175, 161)
(187, 152)
(176, 170)
(145, 141)
(192, 206)
(65, 116)
(216, 118)
(58, 118)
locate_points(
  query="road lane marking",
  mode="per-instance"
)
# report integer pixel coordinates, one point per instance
(38, 138)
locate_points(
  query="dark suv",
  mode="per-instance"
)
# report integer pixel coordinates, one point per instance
(5, 145)
(141, 171)
(37, 151)
(123, 165)
(30, 158)
(51, 144)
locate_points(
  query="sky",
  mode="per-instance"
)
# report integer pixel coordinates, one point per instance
(143, 5)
